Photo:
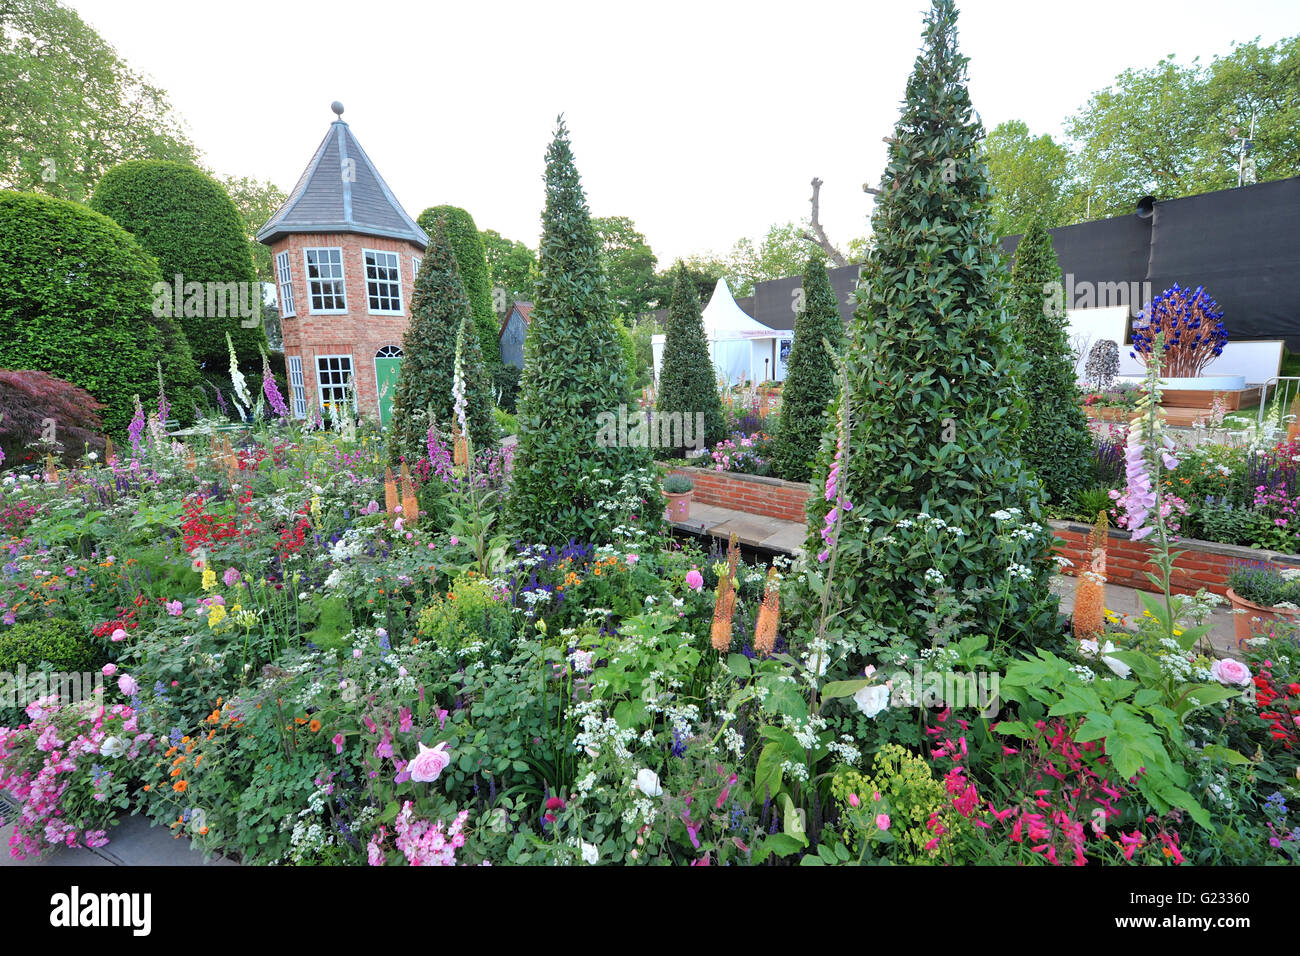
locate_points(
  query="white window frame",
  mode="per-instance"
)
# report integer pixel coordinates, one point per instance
(297, 386)
(284, 278)
(415, 268)
(321, 385)
(342, 280)
(396, 283)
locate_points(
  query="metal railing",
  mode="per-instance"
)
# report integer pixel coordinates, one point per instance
(1285, 389)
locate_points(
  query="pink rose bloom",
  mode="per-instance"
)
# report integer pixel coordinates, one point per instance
(454, 541)
(175, 608)
(429, 763)
(231, 577)
(882, 820)
(853, 800)
(1230, 672)
(109, 670)
(127, 685)
(694, 580)
(118, 636)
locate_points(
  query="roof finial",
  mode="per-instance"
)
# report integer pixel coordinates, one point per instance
(337, 107)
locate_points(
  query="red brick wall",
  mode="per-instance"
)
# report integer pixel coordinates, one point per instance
(750, 493)
(356, 333)
(1203, 564)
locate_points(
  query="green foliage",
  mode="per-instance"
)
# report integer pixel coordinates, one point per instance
(1056, 443)
(573, 372)
(505, 387)
(439, 311)
(628, 346)
(61, 643)
(780, 253)
(677, 484)
(629, 263)
(687, 382)
(512, 268)
(472, 265)
(257, 201)
(186, 221)
(469, 613)
(76, 301)
(1030, 176)
(933, 409)
(910, 794)
(72, 106)
(810, 384)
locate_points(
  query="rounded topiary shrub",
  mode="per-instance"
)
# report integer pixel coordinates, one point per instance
(188, 222)
(76, 302)
(62, 644)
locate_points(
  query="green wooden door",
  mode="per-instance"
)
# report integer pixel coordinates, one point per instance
(387, 366)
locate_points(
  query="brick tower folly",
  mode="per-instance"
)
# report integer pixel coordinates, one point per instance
(345, 255)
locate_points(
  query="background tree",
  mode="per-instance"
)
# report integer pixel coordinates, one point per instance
(257, 201)
(512, 267)
(472, 263)
(185, 220)
(439, 308)
(780, 253)
(629, 263)
(76, 298)
(29, 399)
(930, 391)
(1030, 176)
(71, 107)
(703, 272)
(1056, 443)
(687, 380)
(573, 371)
(810, 378)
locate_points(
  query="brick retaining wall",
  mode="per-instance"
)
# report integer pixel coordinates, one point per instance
(750, 493)
(1204, 565)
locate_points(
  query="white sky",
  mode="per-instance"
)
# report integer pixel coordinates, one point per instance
(703, 121)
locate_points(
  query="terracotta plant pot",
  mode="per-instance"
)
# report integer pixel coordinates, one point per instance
(1255, 621)
(679, 506)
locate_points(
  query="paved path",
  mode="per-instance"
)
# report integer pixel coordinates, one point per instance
(132, 843)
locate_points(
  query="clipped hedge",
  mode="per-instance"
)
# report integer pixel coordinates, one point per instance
(187, 221)
(76, 302)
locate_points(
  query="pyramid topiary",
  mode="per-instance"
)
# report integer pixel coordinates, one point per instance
(928, 496)
(810, 384)
(439, 308)
(686, 379)
(1056, 444)
(574, 378)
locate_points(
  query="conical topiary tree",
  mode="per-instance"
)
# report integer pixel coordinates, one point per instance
(687, 383)
(439, 307)
(929, 492)
(467, 247)
(810, 384)
(574, 378)
(1056, 444)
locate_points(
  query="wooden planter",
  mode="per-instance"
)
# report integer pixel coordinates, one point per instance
(1255, 621)
(1108, 413)
(679, 506)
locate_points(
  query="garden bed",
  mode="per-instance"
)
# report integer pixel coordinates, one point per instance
(1203, 564)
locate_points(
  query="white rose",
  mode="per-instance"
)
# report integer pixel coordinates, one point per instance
(1119, 667)
(112, 747)
(872, 699)
(590, 854)
(647, 781)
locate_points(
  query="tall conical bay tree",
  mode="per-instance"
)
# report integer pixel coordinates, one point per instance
(439, 308)
(810, 382)
(467, 247)
(929, 496)
(566, 466)
(1055, 444)
(687, 385)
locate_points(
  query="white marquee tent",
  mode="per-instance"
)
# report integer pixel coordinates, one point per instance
(741, 348)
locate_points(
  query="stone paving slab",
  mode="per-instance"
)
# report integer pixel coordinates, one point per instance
(133, 842)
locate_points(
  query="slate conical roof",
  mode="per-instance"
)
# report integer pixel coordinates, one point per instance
(327, 200)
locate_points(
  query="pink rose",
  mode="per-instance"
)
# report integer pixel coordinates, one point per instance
(429, 763)
(1230, 672)
(118, 636)
(127, 685)
(694, 580)
(853, 800)
(109, 670)
(882, 821)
